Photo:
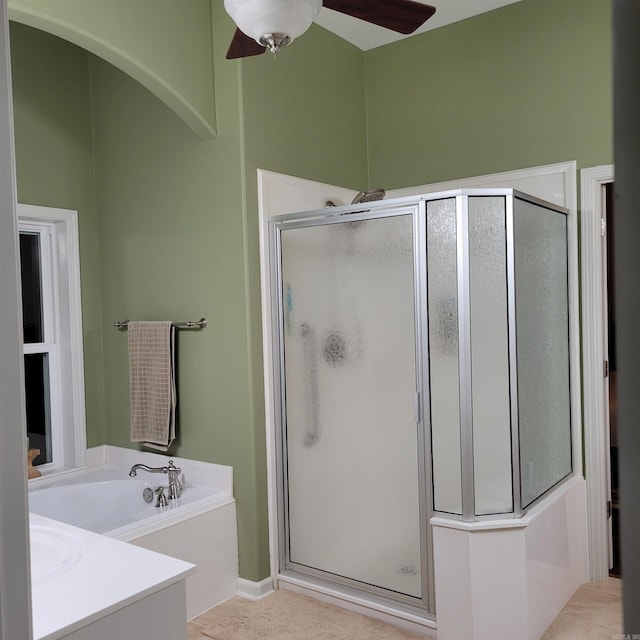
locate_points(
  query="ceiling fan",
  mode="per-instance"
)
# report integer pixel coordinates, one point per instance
(273, 24)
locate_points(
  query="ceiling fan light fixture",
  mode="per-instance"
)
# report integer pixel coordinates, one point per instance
(274, 41)
(273, 23)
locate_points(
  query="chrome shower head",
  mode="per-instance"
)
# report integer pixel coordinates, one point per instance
(369, 196)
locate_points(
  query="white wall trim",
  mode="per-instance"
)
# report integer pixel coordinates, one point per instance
(567, 197)
(254, 590)
(593, 353)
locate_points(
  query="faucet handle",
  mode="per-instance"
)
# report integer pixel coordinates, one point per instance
(162, 499)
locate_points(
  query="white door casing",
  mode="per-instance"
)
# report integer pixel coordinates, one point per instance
(596, 406)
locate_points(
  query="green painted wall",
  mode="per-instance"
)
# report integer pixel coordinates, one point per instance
(172, 247)
(176, 235)
(178, 240)
(54, 159)
(165, 45)
(305, 112)
(524, 85)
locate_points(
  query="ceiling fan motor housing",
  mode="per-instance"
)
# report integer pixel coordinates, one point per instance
(262, 19)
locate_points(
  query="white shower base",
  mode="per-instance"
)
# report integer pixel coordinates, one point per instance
(510, 578)
(494, 578)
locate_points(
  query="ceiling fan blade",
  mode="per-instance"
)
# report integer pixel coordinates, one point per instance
(242, 46)
(403, 16)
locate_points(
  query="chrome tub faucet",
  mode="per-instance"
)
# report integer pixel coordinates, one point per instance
(173, 472)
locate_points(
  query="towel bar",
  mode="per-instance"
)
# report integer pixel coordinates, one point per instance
(189, 324)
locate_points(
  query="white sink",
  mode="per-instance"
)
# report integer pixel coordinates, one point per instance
(53, 552)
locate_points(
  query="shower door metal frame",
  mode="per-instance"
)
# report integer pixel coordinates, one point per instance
(516, 490)
(468, 499)
(520, 509)
(416, 208)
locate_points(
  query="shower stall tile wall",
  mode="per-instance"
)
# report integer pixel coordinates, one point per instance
(422, 349)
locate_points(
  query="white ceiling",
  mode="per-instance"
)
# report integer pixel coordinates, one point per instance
(368, 36)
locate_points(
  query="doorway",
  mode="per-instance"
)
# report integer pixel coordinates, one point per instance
(613, 511)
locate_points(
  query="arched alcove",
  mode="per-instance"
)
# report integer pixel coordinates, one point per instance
(145, 39)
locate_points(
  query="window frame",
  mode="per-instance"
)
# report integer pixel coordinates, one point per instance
(48, 345)
(60, 268)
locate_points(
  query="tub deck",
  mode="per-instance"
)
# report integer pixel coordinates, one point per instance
(199, 527)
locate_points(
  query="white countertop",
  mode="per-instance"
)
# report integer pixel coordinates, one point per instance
(81, 576)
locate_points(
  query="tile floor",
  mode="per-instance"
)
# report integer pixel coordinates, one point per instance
(594, 613)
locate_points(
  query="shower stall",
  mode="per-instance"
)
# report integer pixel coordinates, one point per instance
(421, 350)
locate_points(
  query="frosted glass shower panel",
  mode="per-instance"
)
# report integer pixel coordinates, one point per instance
(351, 454)
(542, 325)
(490, 355)
(442, 301)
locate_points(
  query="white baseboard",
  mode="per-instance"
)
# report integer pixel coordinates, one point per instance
(254, 590)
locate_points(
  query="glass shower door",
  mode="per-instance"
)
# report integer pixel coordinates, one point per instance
(350, 437)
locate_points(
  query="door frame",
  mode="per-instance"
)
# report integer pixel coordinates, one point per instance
(596, 404)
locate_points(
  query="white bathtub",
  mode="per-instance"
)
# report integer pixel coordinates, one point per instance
(107, 501)
(199, 527)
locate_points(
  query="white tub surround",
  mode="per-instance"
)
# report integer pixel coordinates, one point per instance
(194, 471)
(107, 500)
(510, 578)
(199, 527)
(90, 587)
(209, 541)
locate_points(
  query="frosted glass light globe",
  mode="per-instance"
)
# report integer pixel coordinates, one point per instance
(262, 19)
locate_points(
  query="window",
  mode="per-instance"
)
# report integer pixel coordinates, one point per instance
(40, 348)
(52, 332)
